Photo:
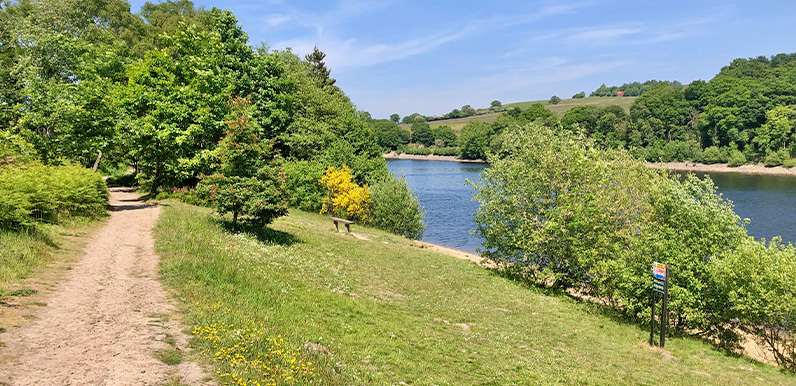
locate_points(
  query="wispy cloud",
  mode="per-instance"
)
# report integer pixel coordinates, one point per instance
(599, 35)
(346, 53)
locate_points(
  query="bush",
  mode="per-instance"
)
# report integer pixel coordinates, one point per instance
(396, 209)
(303, 184)
(344, 198)
(713, 155)
(760, 284)
(736, 158)
(557, 210)
(34, 193)
(773, 159)
(418, 150)
(448, 151)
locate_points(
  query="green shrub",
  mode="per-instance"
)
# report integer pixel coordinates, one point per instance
(35, 193)
(773, 159)
(395, 208)
(736, 158)
(447, 151)
(760, 284)
(306, 192)
(713, 155)
(418, 150)
(557, 210)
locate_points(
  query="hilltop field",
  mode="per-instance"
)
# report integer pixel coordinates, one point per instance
(558, 109)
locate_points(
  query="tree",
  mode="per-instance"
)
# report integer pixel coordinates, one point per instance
(534, 112)
(422, 134)
(554, 100)
(389, 135)
(581, 94)
(778, 131)
(319, 70)
(395, 118)
(475, 139)
(496, 104)
(444, 136)
(248, 181)
(173, 108)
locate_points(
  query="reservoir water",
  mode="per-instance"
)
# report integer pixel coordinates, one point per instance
(768, 201)
(440, 187)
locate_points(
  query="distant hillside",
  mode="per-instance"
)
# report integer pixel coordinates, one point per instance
(559, 109)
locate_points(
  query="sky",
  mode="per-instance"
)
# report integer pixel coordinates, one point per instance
(406, 56)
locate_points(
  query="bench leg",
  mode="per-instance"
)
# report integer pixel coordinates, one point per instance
(348, 228)
(336, 227)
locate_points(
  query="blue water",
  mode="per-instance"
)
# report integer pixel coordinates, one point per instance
(768, 201)
(440, 187)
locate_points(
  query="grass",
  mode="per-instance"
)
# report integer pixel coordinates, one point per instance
(301, 303)
(23, 254)
(169, 357)
(559, 110)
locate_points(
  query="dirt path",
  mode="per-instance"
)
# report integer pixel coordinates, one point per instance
(107, 318)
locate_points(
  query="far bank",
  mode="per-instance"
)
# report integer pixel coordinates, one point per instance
(750, 169)
(431, 157)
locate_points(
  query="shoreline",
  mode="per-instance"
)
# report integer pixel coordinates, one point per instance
(748, 169)
(418, 157)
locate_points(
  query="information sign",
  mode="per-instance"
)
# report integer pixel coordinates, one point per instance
(660, 286)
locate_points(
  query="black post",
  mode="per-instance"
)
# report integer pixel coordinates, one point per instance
(652, 320)
(664, 310)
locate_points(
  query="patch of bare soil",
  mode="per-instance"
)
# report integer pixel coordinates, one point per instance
(104, 322)
(474, 257)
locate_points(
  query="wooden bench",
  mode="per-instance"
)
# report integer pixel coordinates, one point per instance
(340, 220)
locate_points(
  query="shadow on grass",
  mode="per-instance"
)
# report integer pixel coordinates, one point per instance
(262, 233)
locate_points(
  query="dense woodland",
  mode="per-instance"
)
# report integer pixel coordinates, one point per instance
(178, 93)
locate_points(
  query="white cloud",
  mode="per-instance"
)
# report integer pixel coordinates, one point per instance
(603, 34)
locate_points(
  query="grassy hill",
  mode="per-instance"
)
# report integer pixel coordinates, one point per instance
(559, 109)
(301, 303)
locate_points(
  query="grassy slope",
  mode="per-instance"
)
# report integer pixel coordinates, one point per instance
(559, 110)
(389, 312)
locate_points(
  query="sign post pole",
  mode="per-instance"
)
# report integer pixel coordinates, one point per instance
(652, 321)
(664, 310)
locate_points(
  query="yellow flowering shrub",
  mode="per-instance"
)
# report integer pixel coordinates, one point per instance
(344, 197)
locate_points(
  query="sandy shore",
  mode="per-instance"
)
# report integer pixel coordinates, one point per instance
(392, 155)
(755, 169)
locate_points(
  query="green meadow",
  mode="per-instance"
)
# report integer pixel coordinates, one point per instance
(298, 303)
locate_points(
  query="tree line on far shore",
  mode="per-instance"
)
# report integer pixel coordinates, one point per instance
(746, 113)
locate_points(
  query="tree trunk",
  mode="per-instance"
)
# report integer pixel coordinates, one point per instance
(235, 220)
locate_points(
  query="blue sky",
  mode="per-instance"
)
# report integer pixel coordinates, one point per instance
(433, 56)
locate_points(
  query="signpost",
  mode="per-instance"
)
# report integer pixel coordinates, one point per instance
(660, 287)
